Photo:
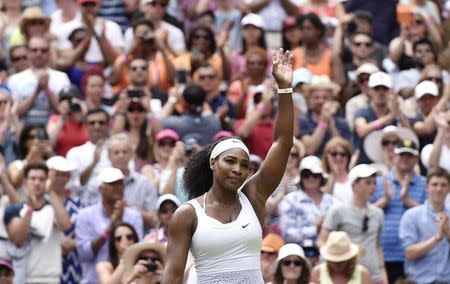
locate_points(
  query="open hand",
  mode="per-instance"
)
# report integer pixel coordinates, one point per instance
(282, 68)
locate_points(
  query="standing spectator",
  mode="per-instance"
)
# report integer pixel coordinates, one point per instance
(425, 235)
(91, 157)
(65, 20)
(36, 88)
(321, 122)
(9, 124)
(395, 192)
(139, 193)
(61, 169)
(94, 223)
(270, 247)
(34, 228)
(361, 221)
(438, 153)
(302, 211)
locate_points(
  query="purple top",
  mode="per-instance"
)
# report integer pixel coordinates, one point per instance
(92, 221)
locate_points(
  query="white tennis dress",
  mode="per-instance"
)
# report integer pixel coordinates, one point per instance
(227, 253)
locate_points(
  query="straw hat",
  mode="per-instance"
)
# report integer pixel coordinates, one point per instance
(338, 247)
(132, 252)
(323, 82)
(33, 13)
(372, 143)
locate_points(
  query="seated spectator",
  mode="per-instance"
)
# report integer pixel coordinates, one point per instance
(191, 121)
(425, 235)
(438, 153)
(321, 122)
(36, 88)
(93, 89)
(144, 263)
(395, 192)
(301, 78)
(34, 228)
(360, 220)
(302, 211)
(10, 20)
(94, 223)
(291, 265)
(111, 271)
(291, 34)
(33, 147)
(270, 247)
(6, 271)
(341, 262)
(383, 110)
(165, 207)
(379, 146)
(61, 169)
(336, 161)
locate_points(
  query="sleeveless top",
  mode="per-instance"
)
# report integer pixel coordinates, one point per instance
(325, 277)
(227, 253)
(322, 67)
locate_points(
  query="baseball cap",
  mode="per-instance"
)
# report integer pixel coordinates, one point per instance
(253, 20)
(291, 249)
(110, 175)
(255, 159)
(380, 79)
(424, 88)
(313, 164)
(301, 75)
(60, 163)
(6, 263)
(406, 146)
(361, 171)
(366, 68)
(222, 134)
(272, 243)
(167, 197)
(289, 22)
(167, 133)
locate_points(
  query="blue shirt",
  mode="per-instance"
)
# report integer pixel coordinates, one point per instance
(394, 211)
(417, 225)
(92, 221)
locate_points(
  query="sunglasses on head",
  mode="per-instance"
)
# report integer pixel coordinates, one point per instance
(365, 224)
(387, 142)
(129, 237)
(334, 154)
(362, 43)
(288, 262)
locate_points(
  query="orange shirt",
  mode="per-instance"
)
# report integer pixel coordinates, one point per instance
(322, 67)
(184, 62)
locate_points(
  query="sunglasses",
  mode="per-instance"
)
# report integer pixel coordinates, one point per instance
(381, 88)
(363, 79)
(136, 109)
(418, 21)
(142, 68)
(268, 253)
(308, 174)
(204, 77)
(365, 224)
(336, 153)
(166, 143)
(42, 50)
(437, 80)
(36, 22)
(89, 4)
(99, 122)
(199, 36)
(387, 142)
(165, 210)
(362, 43)
(291, 262)
(19, 58)
(149, 258)
(129, 237)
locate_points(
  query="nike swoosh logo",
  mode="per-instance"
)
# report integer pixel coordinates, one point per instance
(244, 226)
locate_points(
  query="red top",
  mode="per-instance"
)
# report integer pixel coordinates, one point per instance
(261, 137)
(73, 133)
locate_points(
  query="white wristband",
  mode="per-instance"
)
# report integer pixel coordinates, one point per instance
(285, 91)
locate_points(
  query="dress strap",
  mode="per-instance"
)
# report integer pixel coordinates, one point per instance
(204, 202)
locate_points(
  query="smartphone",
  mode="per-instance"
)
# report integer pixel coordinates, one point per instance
(404, 13)
(182, 76)
(41, 135)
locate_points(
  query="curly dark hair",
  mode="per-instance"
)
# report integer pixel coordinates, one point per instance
(113, 257)
(25, 135)
(198, 176)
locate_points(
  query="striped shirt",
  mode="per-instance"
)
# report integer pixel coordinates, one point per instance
(390, 242)
(114, 10)
(139, 193)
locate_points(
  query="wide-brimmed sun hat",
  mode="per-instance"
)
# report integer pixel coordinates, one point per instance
(372, 143)
(131, 254)
(338, 247)
(323, 82)
(31, 14)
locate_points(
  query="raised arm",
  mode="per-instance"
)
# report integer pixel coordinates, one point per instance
(264, 182)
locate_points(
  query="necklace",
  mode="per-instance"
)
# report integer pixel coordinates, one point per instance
(224, 206)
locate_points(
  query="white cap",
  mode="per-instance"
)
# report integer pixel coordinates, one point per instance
(60, 163)
(301, 75)
(254, 20)
(361, 171)
(311, 163)
(167, 197)
(380, 79)
(366, 68)
(424, 88)
(291, 249)
(110, 175)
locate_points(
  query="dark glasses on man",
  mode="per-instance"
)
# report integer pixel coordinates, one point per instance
(19, 58)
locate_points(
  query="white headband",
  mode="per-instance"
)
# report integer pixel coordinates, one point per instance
(226, 145)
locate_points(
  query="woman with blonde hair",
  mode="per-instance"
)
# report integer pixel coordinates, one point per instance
(336, 163)
(341, 262)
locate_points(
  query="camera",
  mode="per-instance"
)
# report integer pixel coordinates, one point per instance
(147, 40)
(182, 76)
(70, 93)
(151, 267)
(136, 93)
(41, 135)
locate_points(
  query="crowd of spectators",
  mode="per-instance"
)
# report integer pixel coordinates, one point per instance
(102, 102)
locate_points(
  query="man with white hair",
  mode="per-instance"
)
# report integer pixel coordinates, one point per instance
(139, 193)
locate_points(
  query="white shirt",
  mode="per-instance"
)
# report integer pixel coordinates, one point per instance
(113, 34)
(444, 160)
(63, 29)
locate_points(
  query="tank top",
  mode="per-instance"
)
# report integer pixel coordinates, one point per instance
(325, 277)
(227, 253)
